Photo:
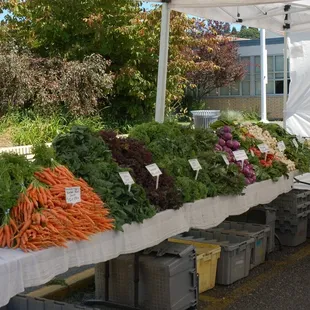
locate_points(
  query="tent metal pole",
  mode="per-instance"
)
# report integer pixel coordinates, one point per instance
(285, 86)
(264, 75)
(162, 64)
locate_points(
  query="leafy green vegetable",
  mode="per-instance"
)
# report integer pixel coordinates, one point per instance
(172, 146)
(87, 156)
(16, 174)
(131, 153)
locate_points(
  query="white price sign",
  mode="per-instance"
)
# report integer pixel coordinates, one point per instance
(263, 148)
(195, 164)
(281, 146)
(126, 178)
(153, 170)
(295, 143)
(225, 159)
(73, 194)
(240, 155)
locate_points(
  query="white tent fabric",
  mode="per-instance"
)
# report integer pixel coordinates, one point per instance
(261, 14)
(297, 112)
(274, 15)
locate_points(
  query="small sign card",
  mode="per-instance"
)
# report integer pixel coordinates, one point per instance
(127, 179)
(263, 148)
(73, 194)
(281, 146)
(295, 143)
(225, 159)
(155, 172)
(240, 156)
(195, 166)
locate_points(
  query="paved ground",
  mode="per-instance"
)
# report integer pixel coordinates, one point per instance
(283, 282)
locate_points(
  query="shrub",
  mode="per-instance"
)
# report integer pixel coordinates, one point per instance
(50, 84)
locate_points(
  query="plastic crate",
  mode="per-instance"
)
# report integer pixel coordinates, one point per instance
(292, 231)
(234, 262)
(308, 226)
(22, 302)
(261, 234)
(262, 214)
(207, 257)
(294, 202)
(203, 118)
(168, 278)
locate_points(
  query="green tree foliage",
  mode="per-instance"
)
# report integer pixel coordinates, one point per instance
(118, 30)
(217, 61)
(234, 31)
(121, 32)
(248, 33)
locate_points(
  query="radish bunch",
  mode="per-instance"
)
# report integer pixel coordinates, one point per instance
(228, 145)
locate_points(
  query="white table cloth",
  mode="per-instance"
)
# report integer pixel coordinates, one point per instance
(19, 270)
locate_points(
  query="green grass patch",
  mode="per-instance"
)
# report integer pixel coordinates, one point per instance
(28, 128)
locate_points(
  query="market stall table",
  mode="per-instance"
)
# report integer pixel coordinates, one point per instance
(19, 270)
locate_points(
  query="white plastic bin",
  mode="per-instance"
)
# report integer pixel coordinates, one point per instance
(203, 118)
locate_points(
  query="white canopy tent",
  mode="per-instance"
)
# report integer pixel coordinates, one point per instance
(287, 17)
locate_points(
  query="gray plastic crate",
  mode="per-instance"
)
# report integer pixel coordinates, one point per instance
(234, 263)
(294, 202)
(167, 282)
(292, 231)
(22, 302)
(308, 226)
(262, 214)
(261, 234)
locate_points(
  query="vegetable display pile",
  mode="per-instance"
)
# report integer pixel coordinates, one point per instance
(88, 157)
(42, 217)
(263, 135)
(132, 154)
(34, 213)
(172, 146)
(259, 166)
(228, 145)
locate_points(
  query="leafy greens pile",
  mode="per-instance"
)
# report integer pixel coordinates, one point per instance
(132, 154)
(172, 146)
(87, 156)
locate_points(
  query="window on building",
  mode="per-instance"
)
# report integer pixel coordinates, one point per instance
(275, 75)
(251, 84)
(239, 88)
(246, 82)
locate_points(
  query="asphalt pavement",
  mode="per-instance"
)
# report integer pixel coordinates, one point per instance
(283, 282)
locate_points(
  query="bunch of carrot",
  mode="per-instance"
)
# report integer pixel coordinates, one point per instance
(42, 218)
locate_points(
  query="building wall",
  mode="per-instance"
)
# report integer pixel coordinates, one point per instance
(248, 104)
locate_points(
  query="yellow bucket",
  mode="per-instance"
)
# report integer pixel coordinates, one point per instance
(207, 256)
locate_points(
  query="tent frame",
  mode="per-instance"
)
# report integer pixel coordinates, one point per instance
(164, 48)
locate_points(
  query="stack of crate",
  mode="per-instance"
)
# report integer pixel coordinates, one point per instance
(236, 252)
(264, 215)
(292, 211)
